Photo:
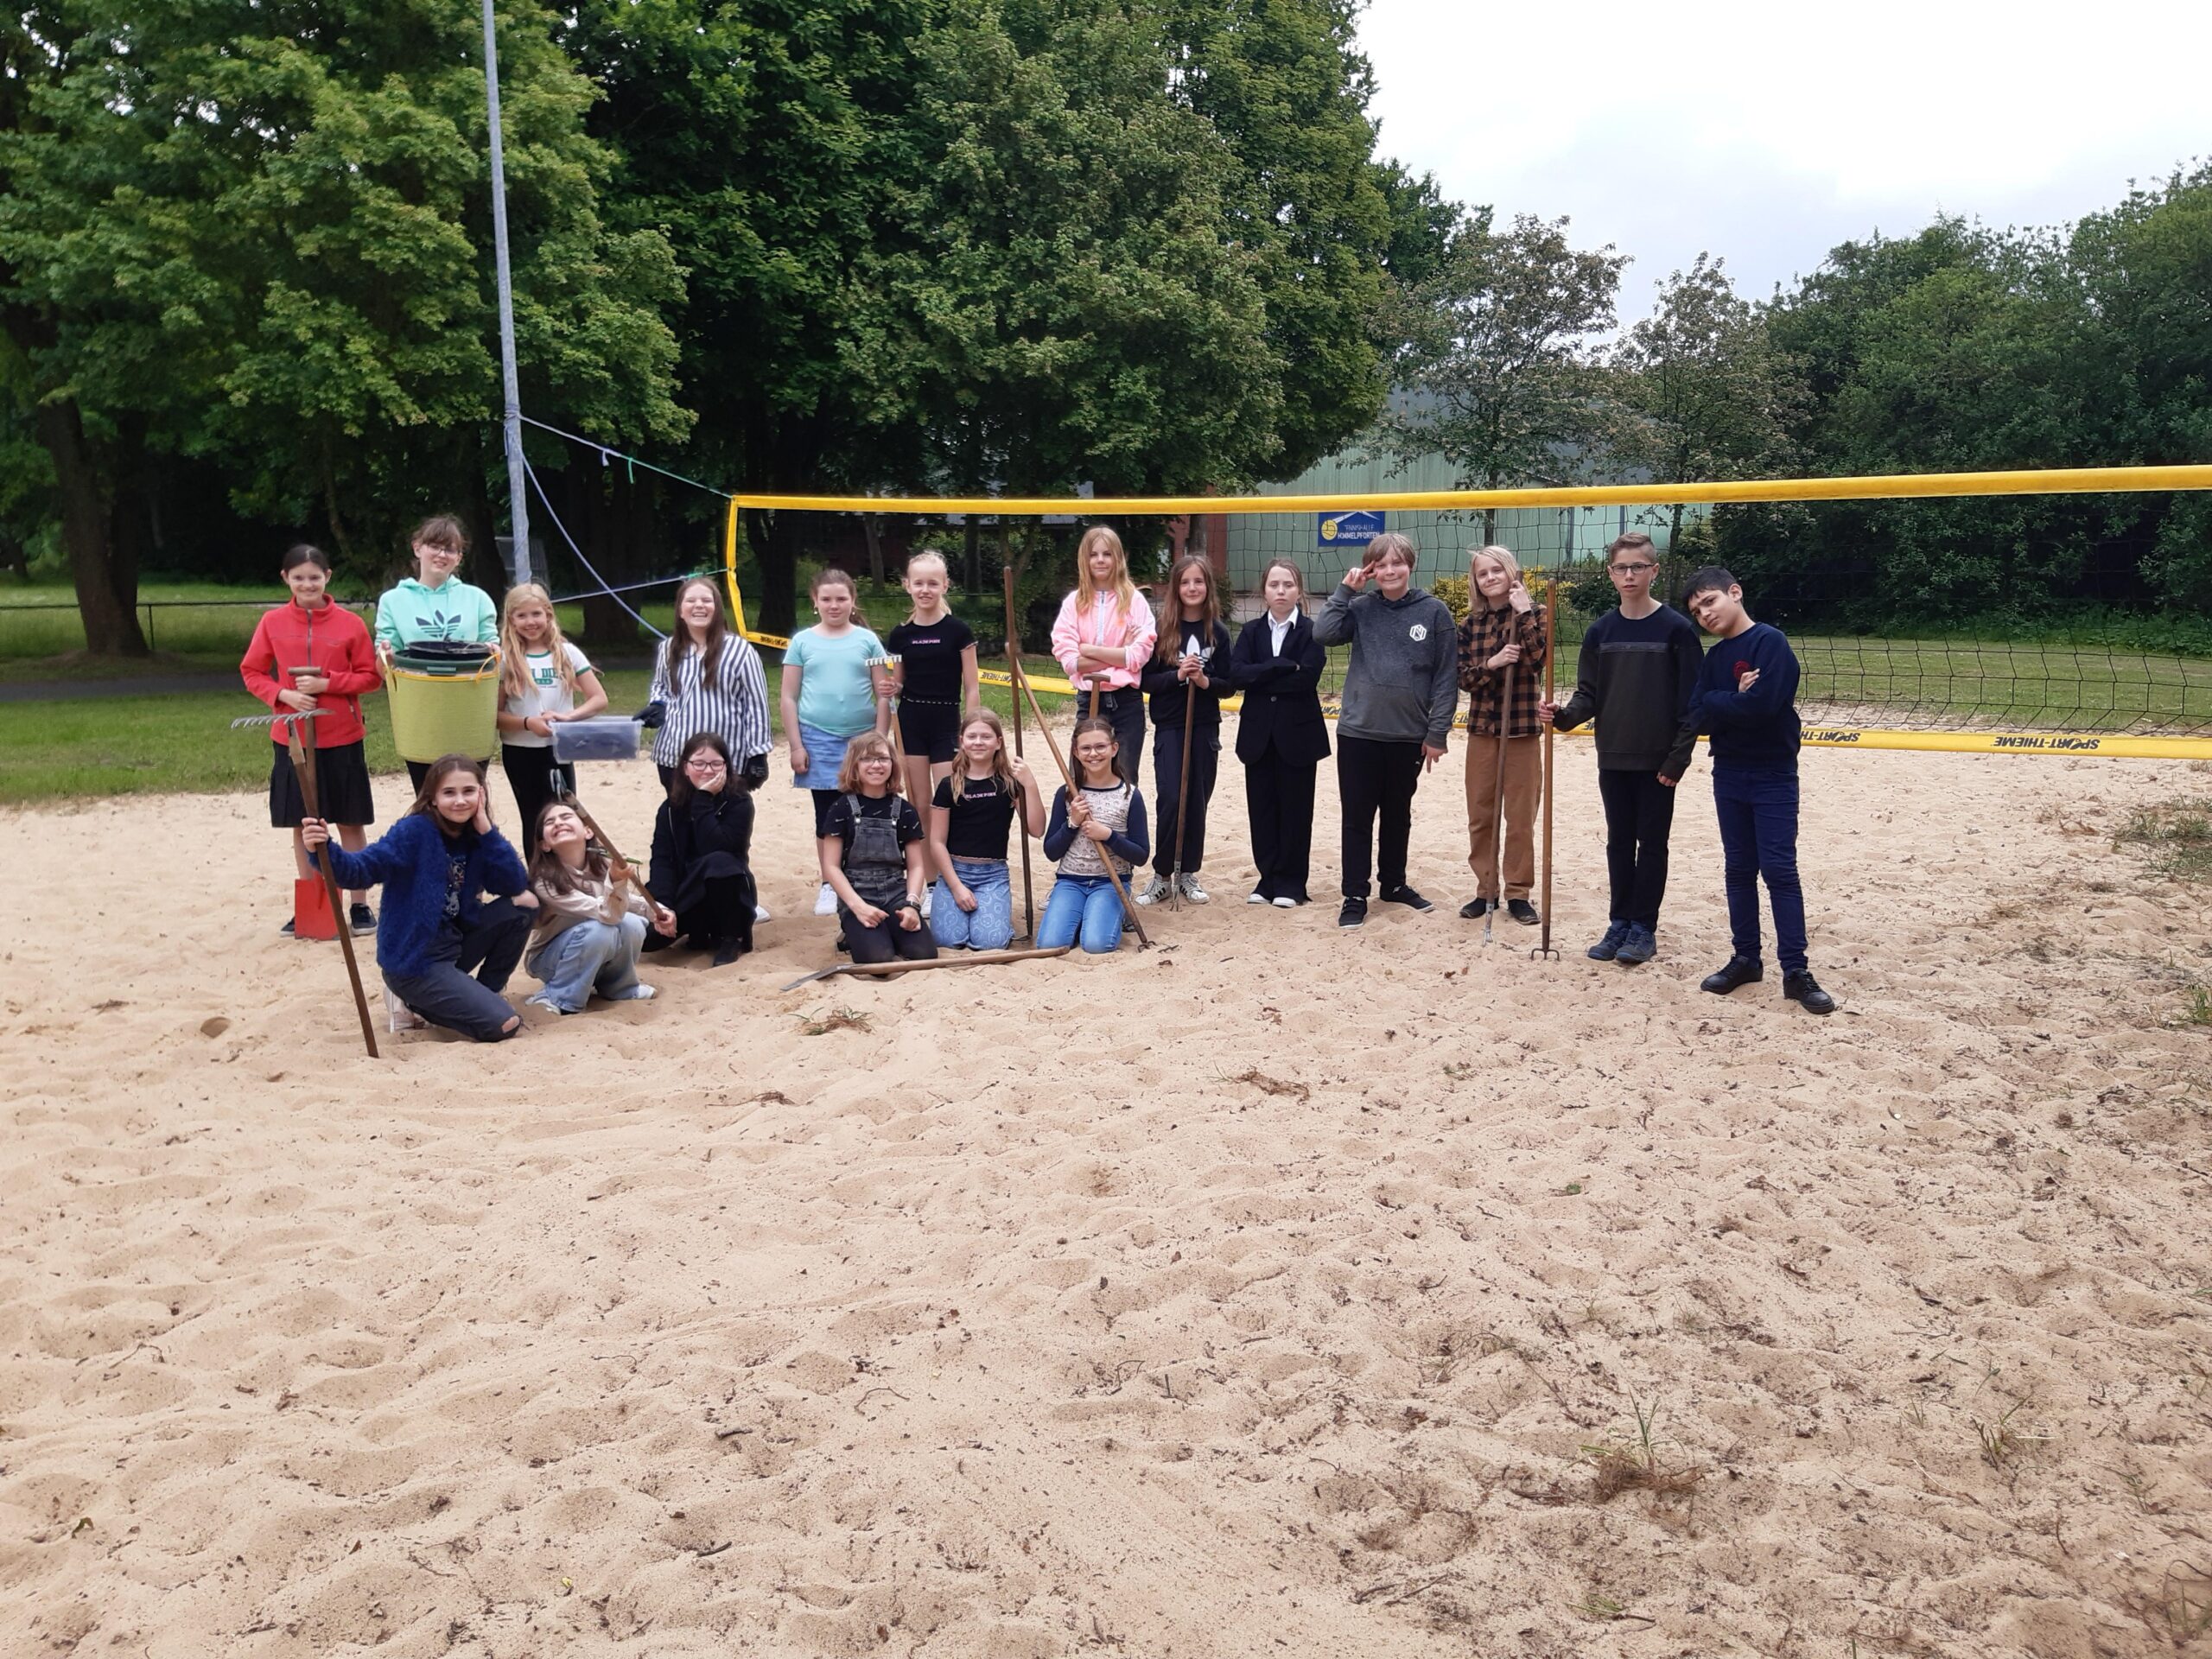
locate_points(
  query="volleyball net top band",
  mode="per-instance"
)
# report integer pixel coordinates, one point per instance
(1864, 688)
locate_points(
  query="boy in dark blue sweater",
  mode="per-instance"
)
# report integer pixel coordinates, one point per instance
(1746, 702)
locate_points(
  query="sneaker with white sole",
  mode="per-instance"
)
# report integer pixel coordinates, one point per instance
(760, 914)
(1286, 904)
(397, 1015)
(1156, 893)
(825, 902)
(1194, 892)
(927, 892)
(1256, 898)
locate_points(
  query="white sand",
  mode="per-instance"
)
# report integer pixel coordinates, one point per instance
(1036, 1331)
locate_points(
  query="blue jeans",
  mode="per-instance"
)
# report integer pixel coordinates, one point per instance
(588, 957)
(1758, 839)
(989, 926)
(1085, 907)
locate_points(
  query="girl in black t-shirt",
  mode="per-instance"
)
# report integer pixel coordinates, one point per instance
(970, 817)
(934, 677)
(871, 851)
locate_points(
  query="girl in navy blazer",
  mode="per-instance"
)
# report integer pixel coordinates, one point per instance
(1282, 738)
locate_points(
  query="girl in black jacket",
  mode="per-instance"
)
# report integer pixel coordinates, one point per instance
(702, 853)
(1189, 667)
(1281, 737)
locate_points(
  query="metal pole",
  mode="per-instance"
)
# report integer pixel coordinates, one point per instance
(517, 500)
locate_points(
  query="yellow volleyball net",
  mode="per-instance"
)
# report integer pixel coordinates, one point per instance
(1973, 685)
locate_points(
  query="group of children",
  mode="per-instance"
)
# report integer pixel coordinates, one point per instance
(915, 793)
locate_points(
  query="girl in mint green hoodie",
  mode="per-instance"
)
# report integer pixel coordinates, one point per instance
(434, 604)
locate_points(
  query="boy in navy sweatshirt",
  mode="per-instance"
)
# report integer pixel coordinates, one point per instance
(1746, 703)
(1638, 664)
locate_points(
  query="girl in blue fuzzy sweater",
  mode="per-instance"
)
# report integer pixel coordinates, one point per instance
(445, 953)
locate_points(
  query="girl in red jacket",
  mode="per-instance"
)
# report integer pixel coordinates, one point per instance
(314, 654)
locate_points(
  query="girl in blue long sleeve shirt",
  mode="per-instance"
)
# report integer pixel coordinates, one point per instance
(445, 953)
(1746, 702)
(1097, 827)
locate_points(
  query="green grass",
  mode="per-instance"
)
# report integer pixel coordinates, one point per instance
(2176, 836)
(85, 748)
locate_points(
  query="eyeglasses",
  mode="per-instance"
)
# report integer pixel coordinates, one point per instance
(703, 763)
(1632, 569)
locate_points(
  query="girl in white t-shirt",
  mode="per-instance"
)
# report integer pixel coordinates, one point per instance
(543, 680)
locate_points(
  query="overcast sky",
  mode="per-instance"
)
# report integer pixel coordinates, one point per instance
(1769, 133)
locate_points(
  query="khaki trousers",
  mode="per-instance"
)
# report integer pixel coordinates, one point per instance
(1524, 778)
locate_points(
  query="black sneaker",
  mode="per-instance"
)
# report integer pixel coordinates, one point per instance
(1523, 911)
(727, 951)
(1475, 909)
(1609, 946)
(1354, 914)
(1407, 897)
(1802, 987)
(1737, 970)
(286, 932)
(361, 919)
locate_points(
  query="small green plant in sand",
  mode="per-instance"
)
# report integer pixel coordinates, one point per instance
(2002, 1442)
(2177, 835)
(1618, 1466)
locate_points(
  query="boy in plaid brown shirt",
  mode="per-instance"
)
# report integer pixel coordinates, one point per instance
(1502, 667)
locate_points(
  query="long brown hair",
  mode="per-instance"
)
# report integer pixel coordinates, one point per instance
(679, 638)
(426, 798)
(548, 870)
(1001, 768)
(441, 530)
(1091, 724)
(1171, 606)
(680, 790)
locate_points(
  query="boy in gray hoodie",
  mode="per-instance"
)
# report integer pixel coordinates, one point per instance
(1399, 693)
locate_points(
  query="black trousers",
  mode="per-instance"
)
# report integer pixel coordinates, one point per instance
(887, 939)
(1639, 817)
(1278, 803)
(1124, 710)
(530, 774)
(1167, 774)
(724, 912)
(459, 987)
(1375, 778)
(826, 798)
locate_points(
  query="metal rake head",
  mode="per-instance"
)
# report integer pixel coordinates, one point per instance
(243, 720)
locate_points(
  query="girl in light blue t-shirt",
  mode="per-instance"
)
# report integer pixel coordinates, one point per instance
(833, 691)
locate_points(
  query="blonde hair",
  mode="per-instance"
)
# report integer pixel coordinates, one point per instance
(867, 743)
(1504, 556)
(1001, 768)
(929, 555)
(1086, 590)
(514, 672)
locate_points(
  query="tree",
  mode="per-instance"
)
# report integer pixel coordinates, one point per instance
(1705, 392)
(264, 248)
(1497, 376)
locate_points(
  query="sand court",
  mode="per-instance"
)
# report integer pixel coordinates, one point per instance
(1281, 1290)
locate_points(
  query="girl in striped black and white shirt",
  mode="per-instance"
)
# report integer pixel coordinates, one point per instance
(709, 680)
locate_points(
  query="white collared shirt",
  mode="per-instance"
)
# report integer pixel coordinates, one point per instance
(1278, 631)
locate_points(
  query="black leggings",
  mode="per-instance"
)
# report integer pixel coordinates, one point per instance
(887, 938)
(529, 773)
(723, 913)
(1124, 711)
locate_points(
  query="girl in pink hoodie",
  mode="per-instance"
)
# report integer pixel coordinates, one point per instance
(1102, 637)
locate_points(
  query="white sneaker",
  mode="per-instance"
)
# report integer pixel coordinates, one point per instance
(398, 1016)
(760, 914)
(1194, 892)
(1286, 904)
(1156, 893)
(928, 893)
(637, 994)
(825, 902)
(1256, 898)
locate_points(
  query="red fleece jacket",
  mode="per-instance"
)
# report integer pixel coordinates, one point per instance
(330, 639)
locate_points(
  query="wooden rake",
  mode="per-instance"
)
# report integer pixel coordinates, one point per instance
(304, 770)
(1121, 887)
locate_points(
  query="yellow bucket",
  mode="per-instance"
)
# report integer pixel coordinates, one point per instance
(435, 714)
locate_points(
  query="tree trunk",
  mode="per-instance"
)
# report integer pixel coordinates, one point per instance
(482, 566)
(106, 574)
(973, 556)
(872, 527)
(774, 537)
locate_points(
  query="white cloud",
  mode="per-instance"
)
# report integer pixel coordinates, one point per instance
(1767, 134)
